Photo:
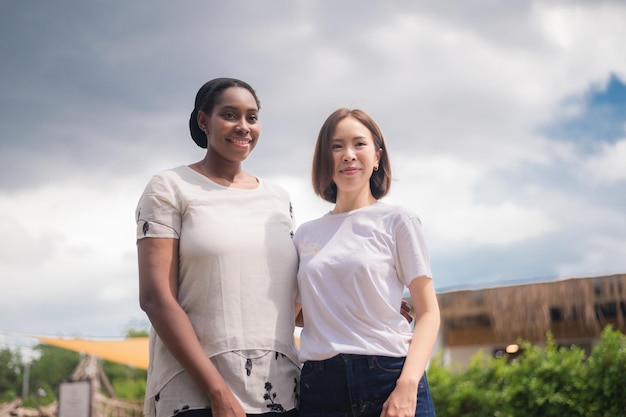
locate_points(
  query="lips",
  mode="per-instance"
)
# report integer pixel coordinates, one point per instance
(349, 170)
(240, 142)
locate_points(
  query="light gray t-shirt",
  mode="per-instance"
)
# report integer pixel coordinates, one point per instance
(237, 269)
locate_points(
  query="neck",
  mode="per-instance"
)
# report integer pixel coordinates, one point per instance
(228, 174)
(347, 203)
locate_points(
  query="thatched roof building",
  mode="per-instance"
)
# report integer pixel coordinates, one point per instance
(571, 309)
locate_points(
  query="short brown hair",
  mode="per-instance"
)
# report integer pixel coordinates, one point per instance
(323, 167)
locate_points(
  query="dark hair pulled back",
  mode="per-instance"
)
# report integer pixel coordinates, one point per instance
(206, 98)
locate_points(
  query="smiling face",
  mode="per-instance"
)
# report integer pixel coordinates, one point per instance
(355, 124)
(233, 126)
(355, 156)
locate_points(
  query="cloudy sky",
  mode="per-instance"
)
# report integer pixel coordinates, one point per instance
(505, 123)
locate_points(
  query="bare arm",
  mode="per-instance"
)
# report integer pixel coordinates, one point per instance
(158, 286)
(402, 401)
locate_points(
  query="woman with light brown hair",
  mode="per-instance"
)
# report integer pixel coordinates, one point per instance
(360, 356)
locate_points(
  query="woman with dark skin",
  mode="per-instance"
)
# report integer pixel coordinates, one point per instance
(214, 250)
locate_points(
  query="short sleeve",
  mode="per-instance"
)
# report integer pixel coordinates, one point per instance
(158, 213)
(413, 258)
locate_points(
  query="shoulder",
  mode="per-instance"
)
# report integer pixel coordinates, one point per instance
(394, 213)
(167, 183)
(274, 188)
(182, 172)
(171, 175)
(309, 224)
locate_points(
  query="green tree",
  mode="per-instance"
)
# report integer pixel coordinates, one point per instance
(543, 381)
(470, 392)
(550, 381)
(136, 333)
(53, 366)
(127, 382)
(10, 374)
(604, 394)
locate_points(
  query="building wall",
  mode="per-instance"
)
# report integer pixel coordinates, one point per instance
(574, 311)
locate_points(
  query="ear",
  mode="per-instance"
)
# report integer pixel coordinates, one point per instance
(203, 121)
(379, 153)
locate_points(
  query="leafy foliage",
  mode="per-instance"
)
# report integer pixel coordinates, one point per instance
(54, 365)
(136, 333)
(10, 374)
(605, 391)
(548, 382)
(127, 382)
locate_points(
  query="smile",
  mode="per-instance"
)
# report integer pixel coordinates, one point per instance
(241, 141)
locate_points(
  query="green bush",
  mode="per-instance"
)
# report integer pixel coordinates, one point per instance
(604, 391)
(128, 382)
(547, 382)
(10, 374)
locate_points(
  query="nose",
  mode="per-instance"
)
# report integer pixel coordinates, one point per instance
(349, 154)
(242, 127)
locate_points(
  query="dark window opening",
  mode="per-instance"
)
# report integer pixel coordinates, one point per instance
(556, 315)
(470, 322)
(606, 310)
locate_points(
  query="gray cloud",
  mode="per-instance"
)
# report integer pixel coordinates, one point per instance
(479, 103)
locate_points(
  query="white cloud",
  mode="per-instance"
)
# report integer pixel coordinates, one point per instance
(567, 27)
(64, 245)
(608, 165)
(602, 254)
(458, 89)
(443, 189)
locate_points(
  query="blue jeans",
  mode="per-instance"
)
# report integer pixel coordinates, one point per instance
(354, 385)
(205, 412)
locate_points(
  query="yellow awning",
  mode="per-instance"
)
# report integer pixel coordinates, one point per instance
(132, 351)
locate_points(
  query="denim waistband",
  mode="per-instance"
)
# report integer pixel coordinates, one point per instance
(345, 358)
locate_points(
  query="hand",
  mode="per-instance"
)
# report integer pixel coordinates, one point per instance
(402, 401)
(405, 310)
(225, 404)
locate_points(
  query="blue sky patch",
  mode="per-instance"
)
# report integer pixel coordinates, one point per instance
(602, 119)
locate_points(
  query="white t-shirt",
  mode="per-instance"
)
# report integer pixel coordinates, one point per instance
(237, 268)
(354, 267)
